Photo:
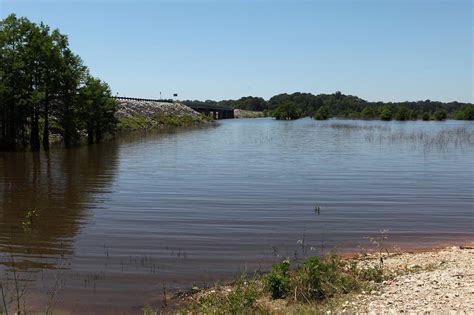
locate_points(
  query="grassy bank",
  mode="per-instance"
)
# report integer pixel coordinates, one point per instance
(378, 282)
(313, 285)
(159, 121)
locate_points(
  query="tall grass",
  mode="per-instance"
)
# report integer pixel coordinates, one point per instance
(442, 140)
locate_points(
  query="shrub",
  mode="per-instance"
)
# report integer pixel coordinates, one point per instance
(315, 280)
(277, 282)
(368, 112)
(374, 274)
(322, 113)
(465, 113)
(242, 298)
(440, 114)
(287, 111)
(425, 116)
(320, 279)
(413, 114)
(132, 123)
(402, 114)
(386, 113)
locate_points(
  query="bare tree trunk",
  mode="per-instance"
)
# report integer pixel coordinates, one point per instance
(46, 125)
(90, 135)
(34, 140)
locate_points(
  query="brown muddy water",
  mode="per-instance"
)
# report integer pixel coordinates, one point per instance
(103, 229)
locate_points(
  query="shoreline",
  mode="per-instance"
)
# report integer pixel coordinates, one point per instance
(417, 280)
(411, 249)
(442, 282)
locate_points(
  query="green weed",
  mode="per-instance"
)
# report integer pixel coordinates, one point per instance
(277, 282)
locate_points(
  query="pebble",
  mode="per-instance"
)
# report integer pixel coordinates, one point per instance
(425, 289)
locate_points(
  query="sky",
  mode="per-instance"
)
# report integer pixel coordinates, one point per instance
(388, 50)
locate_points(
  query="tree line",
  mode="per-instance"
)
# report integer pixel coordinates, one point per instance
(324, 106)
(46, 90)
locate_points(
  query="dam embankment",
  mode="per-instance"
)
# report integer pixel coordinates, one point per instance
(135, 114)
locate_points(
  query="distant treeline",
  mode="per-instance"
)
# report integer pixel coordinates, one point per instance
(324, 106)
(45, 90)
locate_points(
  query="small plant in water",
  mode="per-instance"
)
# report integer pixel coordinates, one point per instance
(30, 220)
(317, 209)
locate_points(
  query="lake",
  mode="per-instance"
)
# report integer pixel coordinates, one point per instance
(106, 228)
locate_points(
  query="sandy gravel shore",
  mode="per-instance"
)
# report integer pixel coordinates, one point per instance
(444, 284)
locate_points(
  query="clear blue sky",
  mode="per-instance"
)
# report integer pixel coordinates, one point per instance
(376, 49)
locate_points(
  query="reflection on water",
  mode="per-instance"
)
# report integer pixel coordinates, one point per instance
(124, 218)
(59, 187)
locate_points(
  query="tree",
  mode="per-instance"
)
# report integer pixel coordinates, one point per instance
(426, 116)
(322, 113)
(16, 98)
(465, 113)
(286, 111)
(386, 113)
(402, 113)
(440, 114)
(40, 78)
(97, 109)
(413, 115)
(52, 81)
(37, 61)
(72, 73)
(368, 112)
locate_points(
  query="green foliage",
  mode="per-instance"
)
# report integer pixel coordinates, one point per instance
(158, 121)
(426, 116)
(374, 274)
(368, 112)
(240, 300)
(413, 115)
(386, 113)
(313, 282)
(147, 310)
(402, 114)
(40, 81)
(320, 279)
(133, 123)
(168, 120)
(317, 209)
(340, 105)
(322, 113)
(277, 282)
(97, 109)
(465, 113)
(287, 111)
(440, 114)
(243, 297)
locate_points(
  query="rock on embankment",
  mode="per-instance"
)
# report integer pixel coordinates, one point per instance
(241, 113)
(144, 114)
(149, 109)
